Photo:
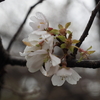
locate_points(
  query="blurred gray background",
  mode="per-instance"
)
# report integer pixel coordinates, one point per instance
(23, 85)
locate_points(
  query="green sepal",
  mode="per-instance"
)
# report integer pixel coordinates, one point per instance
(60, 26)
(69, 32)
(90, 52)
(55, 31)
(62, 38)
(67, 25)
(89, 48)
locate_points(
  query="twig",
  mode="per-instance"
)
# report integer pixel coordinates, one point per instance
(21, 26)
(72, 63)
(3, 58)
(2, 0)
(84, 64)
(16, 61)
(85, 33)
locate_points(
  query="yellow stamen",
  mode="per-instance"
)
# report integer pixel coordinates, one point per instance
(42, 23)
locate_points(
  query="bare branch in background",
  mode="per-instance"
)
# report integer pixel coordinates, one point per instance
(21, 26)
(86, 31)
(97, 3)
(2, 0)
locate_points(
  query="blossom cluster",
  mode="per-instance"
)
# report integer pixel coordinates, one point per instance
(40, 52)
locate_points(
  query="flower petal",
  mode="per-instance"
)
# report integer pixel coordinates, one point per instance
(34, 63)
(73, 78)
(75, 75)
(55, 60)
(70, 80)
(33, 25)
(57, 81)
(48, 64)
(63, 72)
(38, 52)
(43, 71)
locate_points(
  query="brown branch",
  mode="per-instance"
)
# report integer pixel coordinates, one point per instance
(84, 64)
(16, 61)
(21, 26)
(85, 33)
(72, 63)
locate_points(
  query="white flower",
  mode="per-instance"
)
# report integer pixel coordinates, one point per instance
(36, 59)
(38, 37)
(63, 75)
(39, 22)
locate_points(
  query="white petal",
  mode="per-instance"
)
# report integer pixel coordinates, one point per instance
(70, 80)
(39, 15)
(40, 32)
(34, 37)
(73, 78)
(33, 25)
(34, 19)
(38, 52)
(64, 72)
(57, 81)
(40, 21)
(50, 41)
(34, 63)
(53, 70)
(43, 71)
(55, 60)
(48, 65)
(75, 75)
(29, 49)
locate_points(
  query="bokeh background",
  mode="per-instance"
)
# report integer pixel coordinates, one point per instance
(19, 84)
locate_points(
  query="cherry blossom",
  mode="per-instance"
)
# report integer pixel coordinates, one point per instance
(63, 75)
(39, 22)
(47, 49)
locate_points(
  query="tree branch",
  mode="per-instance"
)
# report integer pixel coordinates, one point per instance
(16, 61)
(21, 26)
(85, 33)
(84, 64)
(6, 59)
(2, 0)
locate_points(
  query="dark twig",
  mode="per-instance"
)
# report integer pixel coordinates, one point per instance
(72, 63)
(3, 59)
(21, 26)
(16, 61)
(84, 64)
(85, 33)
(2, 0)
